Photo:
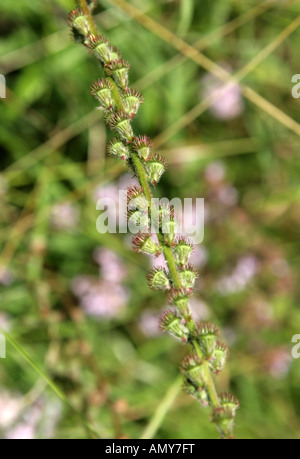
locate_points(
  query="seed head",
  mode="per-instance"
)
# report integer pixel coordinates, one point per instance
(132, 100)
(102, 91)
(117, 149)
(121, 123)
(119, 70)
(180, 298)
(79, 23)
(183, 249)
(188, 275)
(172, 322)
(142, 145)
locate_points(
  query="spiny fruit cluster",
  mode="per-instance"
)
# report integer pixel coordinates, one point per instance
(119, 105)
(118, 102)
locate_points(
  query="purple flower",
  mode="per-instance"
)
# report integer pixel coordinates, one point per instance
(159, 261)
(64, 216)
(127, 180)
(200, 310)
(3, 185)
(228, 195)
(5, 321)
(22, 431)
(111, 267)
(277, 362)
(149, 323)
(105, 300)
(38, 420)
(199, 256)
(10, 407)
(243, 273)
(100, 298)
(215, 172)
(112, 191)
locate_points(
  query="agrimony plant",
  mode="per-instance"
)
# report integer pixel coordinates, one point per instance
(119, 104)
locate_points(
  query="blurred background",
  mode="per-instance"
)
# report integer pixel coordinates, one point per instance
(75, 303)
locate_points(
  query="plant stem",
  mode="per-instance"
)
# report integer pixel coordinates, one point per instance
(116, 95)
(140, 170)
(162, 409)
(208, 381)
(169, 257)
(92, 433)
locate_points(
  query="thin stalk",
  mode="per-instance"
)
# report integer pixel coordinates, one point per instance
(162, 409)
(92, 433)
(142, 177)
(169, 257)
(84, 6)
(208, 381)
(119, 119)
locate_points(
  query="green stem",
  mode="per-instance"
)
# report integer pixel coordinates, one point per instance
(167, 251)
(162, 409)
(168, 254)
(169, 257)
(207, 378)
(116, 95)
(84, 6)
(50, 383)
(210, 386)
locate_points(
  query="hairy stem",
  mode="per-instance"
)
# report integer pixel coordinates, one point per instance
(208, 381)
(169, 257)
